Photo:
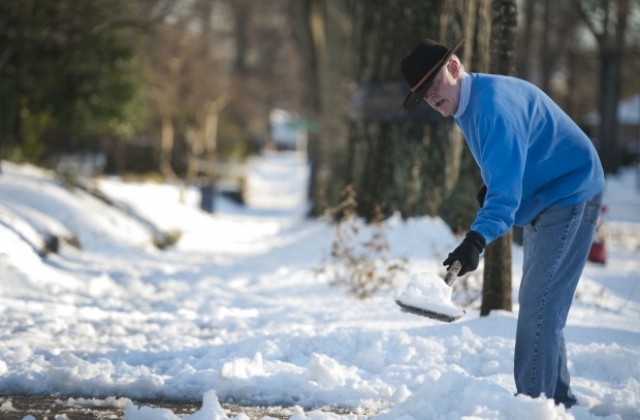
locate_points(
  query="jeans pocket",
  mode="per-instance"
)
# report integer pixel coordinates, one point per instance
(592, 209)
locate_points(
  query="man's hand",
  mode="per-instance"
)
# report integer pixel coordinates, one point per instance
(468, 252)
(481, 194)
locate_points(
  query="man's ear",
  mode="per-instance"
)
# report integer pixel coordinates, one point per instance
(454, 68)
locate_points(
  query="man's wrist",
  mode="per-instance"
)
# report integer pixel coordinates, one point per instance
(477, 240)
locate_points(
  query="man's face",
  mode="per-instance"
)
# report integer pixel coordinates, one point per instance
(444, 93)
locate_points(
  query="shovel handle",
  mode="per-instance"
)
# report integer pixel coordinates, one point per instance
(452, 272)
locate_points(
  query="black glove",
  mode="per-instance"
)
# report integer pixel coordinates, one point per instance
(468, 252)
(482, 193)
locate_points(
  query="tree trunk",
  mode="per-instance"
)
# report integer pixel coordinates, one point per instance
(496, 289)
(546, 65)
(397, 160)
(301, 16)
(496, 286)
(609, 144)
(610, 34)
(331, 30)
(166, 149)
(524, 56)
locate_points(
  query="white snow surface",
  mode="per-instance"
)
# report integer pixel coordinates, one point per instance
(237, 312)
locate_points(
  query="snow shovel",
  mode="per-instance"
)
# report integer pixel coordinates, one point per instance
(427, 295)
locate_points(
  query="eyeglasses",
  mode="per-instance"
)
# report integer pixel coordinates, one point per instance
(431, 99)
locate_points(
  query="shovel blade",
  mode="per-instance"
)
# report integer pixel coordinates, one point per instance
(429, 314)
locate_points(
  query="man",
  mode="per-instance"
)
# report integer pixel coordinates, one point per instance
(540, 172)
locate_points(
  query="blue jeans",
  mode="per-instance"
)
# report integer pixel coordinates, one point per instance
(556, 245)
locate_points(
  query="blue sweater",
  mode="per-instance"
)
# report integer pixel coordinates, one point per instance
(531, 154)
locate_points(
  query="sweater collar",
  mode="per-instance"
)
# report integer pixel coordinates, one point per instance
(465, 94)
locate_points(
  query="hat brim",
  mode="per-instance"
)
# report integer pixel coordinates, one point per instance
(415, 97)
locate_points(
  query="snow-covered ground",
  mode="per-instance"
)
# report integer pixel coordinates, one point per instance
(237, 312)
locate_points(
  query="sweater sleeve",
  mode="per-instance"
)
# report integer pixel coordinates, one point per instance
(501, 154)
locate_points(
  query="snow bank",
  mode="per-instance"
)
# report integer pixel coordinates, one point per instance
(235, 312)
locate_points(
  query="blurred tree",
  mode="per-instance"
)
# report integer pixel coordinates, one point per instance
(559, 28)
(414, 162)
(396, 159)
(218, 68)
(102, 56)
(68, 71)
(324, 41)
(187, 89)
(496, 288)
(552, 53)
(267, 66)
(607, 21)
(335, 38)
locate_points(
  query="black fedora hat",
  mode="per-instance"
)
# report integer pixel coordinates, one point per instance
(421, 66)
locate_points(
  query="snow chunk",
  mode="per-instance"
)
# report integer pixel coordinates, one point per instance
(429, 292)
